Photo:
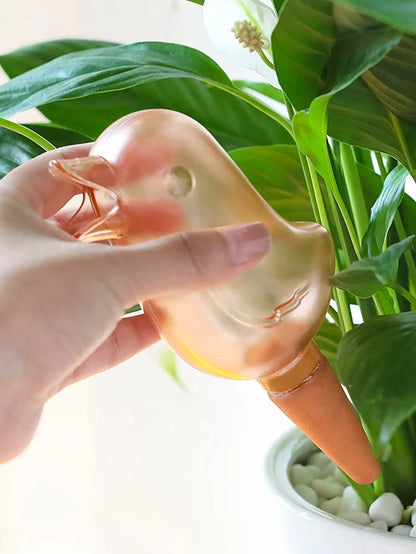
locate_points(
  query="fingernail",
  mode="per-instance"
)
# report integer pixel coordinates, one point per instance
(247, 242)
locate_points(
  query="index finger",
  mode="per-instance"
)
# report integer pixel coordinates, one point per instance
(32, 181)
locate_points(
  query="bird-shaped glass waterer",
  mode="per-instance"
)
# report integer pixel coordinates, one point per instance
(259, 325)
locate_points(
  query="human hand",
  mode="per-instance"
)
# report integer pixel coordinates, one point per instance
(62, 301)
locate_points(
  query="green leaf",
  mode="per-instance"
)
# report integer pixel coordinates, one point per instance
(167, 359)
(327, 339)
(278, 5)
(59, 136)
(393, 80)
(200, 2)
(276, 173)
(384, 210)
(366, 277)
(243, 126)
(354, 53)
(23, 59)
(302, 42)
(357, 117)
(377, 364)
(104, 69)
(310, 129)
(397, 13)
(262, 88)
(408, 214)
(16, 149)
(346, 63)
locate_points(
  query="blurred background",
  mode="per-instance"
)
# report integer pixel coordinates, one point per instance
(128, 461)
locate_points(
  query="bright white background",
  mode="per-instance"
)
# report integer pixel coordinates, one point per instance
(128, 462)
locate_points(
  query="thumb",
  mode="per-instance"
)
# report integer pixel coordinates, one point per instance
(180, 262)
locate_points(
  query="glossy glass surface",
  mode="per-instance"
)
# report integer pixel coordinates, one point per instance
(155, 172)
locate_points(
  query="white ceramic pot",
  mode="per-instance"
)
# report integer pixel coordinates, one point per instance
(308, 530)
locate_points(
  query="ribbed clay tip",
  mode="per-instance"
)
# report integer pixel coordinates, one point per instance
(320, 408)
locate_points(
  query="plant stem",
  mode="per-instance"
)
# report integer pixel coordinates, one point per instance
(345, 322)
(345, 319)
(335, 316)
(405, 293)
(317, 193)
(354, 189)
(366, 492)
(304, 164)
(363, 156)
(28, 133)
(333, 187)
(381, 166)
(266, 59)
(401, 233)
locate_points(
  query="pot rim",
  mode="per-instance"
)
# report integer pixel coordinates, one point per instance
(289, 448)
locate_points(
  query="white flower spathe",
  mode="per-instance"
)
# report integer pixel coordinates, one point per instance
(223, 17)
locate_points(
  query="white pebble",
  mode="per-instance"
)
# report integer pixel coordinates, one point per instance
(340, 477)
(307, 494)
(413, 532)
(302, 475)
(379, 524)
(328, 469)
(331, 506)
(327, 487)
(351, 502)
(401, 530)
(388, 508)
(414, 513)
(356, 516)
(318, 459)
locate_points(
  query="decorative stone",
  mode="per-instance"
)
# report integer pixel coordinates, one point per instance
(303, 475)
(328, 470)
(379, 524)
(414, 513)
(388, 508)
(357, 517)
(401, 530)
(340, 477)
(327, 487)
(318, 459)
(351, 502)
(308, 494)
(331, 506)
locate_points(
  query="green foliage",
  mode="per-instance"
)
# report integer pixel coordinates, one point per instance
(167, 359)
(393, 80)
(91, 114)
(302, 42)
(400, 14)
(366, 277)
(16, 149)
(276, 173)
(327, 339)
(377, 363)
(384, 210)
(87, 72)
(336, 144)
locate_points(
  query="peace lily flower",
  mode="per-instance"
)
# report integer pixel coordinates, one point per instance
(242, 29)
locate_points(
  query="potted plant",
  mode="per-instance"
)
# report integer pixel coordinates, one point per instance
(327, 133)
